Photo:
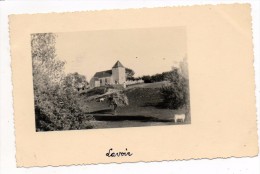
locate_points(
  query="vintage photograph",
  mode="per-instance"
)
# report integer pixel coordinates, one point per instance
(158, 83)
(110, 78)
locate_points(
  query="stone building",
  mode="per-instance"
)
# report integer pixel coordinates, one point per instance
(117, 75)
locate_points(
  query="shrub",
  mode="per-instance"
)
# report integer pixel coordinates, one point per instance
(118, 98)
(58, 109)
(147, 79)
(157, 78)
(176, 95)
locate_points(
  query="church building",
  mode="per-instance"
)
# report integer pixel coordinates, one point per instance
(117, 75)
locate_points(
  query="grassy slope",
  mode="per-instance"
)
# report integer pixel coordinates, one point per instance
(143, 101)
(149, 85)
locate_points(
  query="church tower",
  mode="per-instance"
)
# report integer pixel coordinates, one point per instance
(118, 73)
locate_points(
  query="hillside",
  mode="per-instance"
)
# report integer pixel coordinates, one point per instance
(145, 100)
(149, 85)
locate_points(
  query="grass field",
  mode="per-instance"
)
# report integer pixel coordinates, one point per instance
(144, 108)
(149, 85)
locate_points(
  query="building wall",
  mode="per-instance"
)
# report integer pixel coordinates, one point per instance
(92, 82)
(105, 80)
(100, 82)
(97, 83)
(119, 75)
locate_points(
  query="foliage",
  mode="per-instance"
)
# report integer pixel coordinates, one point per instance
(75, 81)
(55, 99)
(147, 79)
(176, 95)
(119, 98)
(46, 69)
(116, 99)
(130, 78)
(159, 77)
(129, 73)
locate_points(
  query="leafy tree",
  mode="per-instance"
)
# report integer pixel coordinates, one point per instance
(157, 78)
(176, 95)
(129, 73)
(147, 79)
(44, 59)
(56, 105)
(75, 80)
(130, 78)
(154, 78)
(117, 99)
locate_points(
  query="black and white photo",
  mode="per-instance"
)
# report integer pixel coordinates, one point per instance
(110, 79)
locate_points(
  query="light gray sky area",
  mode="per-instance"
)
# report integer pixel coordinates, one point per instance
(146, 51)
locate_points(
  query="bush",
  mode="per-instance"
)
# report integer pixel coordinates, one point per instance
(58, 109)
(116, 99)
(119, 98)
(155, 78)
(176, 95)
(147, 79)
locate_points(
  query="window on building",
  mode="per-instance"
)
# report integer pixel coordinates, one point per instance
(100, 81)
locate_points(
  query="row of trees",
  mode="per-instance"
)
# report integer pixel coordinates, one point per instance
(153, 78)
(55, 94)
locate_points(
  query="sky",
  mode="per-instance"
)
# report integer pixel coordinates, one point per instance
(146, 51)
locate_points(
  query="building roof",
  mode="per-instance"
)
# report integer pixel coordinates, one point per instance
(118, 64)
(108, 73)
(102, 74)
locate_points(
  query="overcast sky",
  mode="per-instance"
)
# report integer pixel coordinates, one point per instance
(146, 51)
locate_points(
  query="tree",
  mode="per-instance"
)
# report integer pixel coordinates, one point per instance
(44, 59)
(176, 95)
(129, 73)
(47, 72)
(116, 99)
(157, 78)
(75, 80)
(147, 79)
(56, 105)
